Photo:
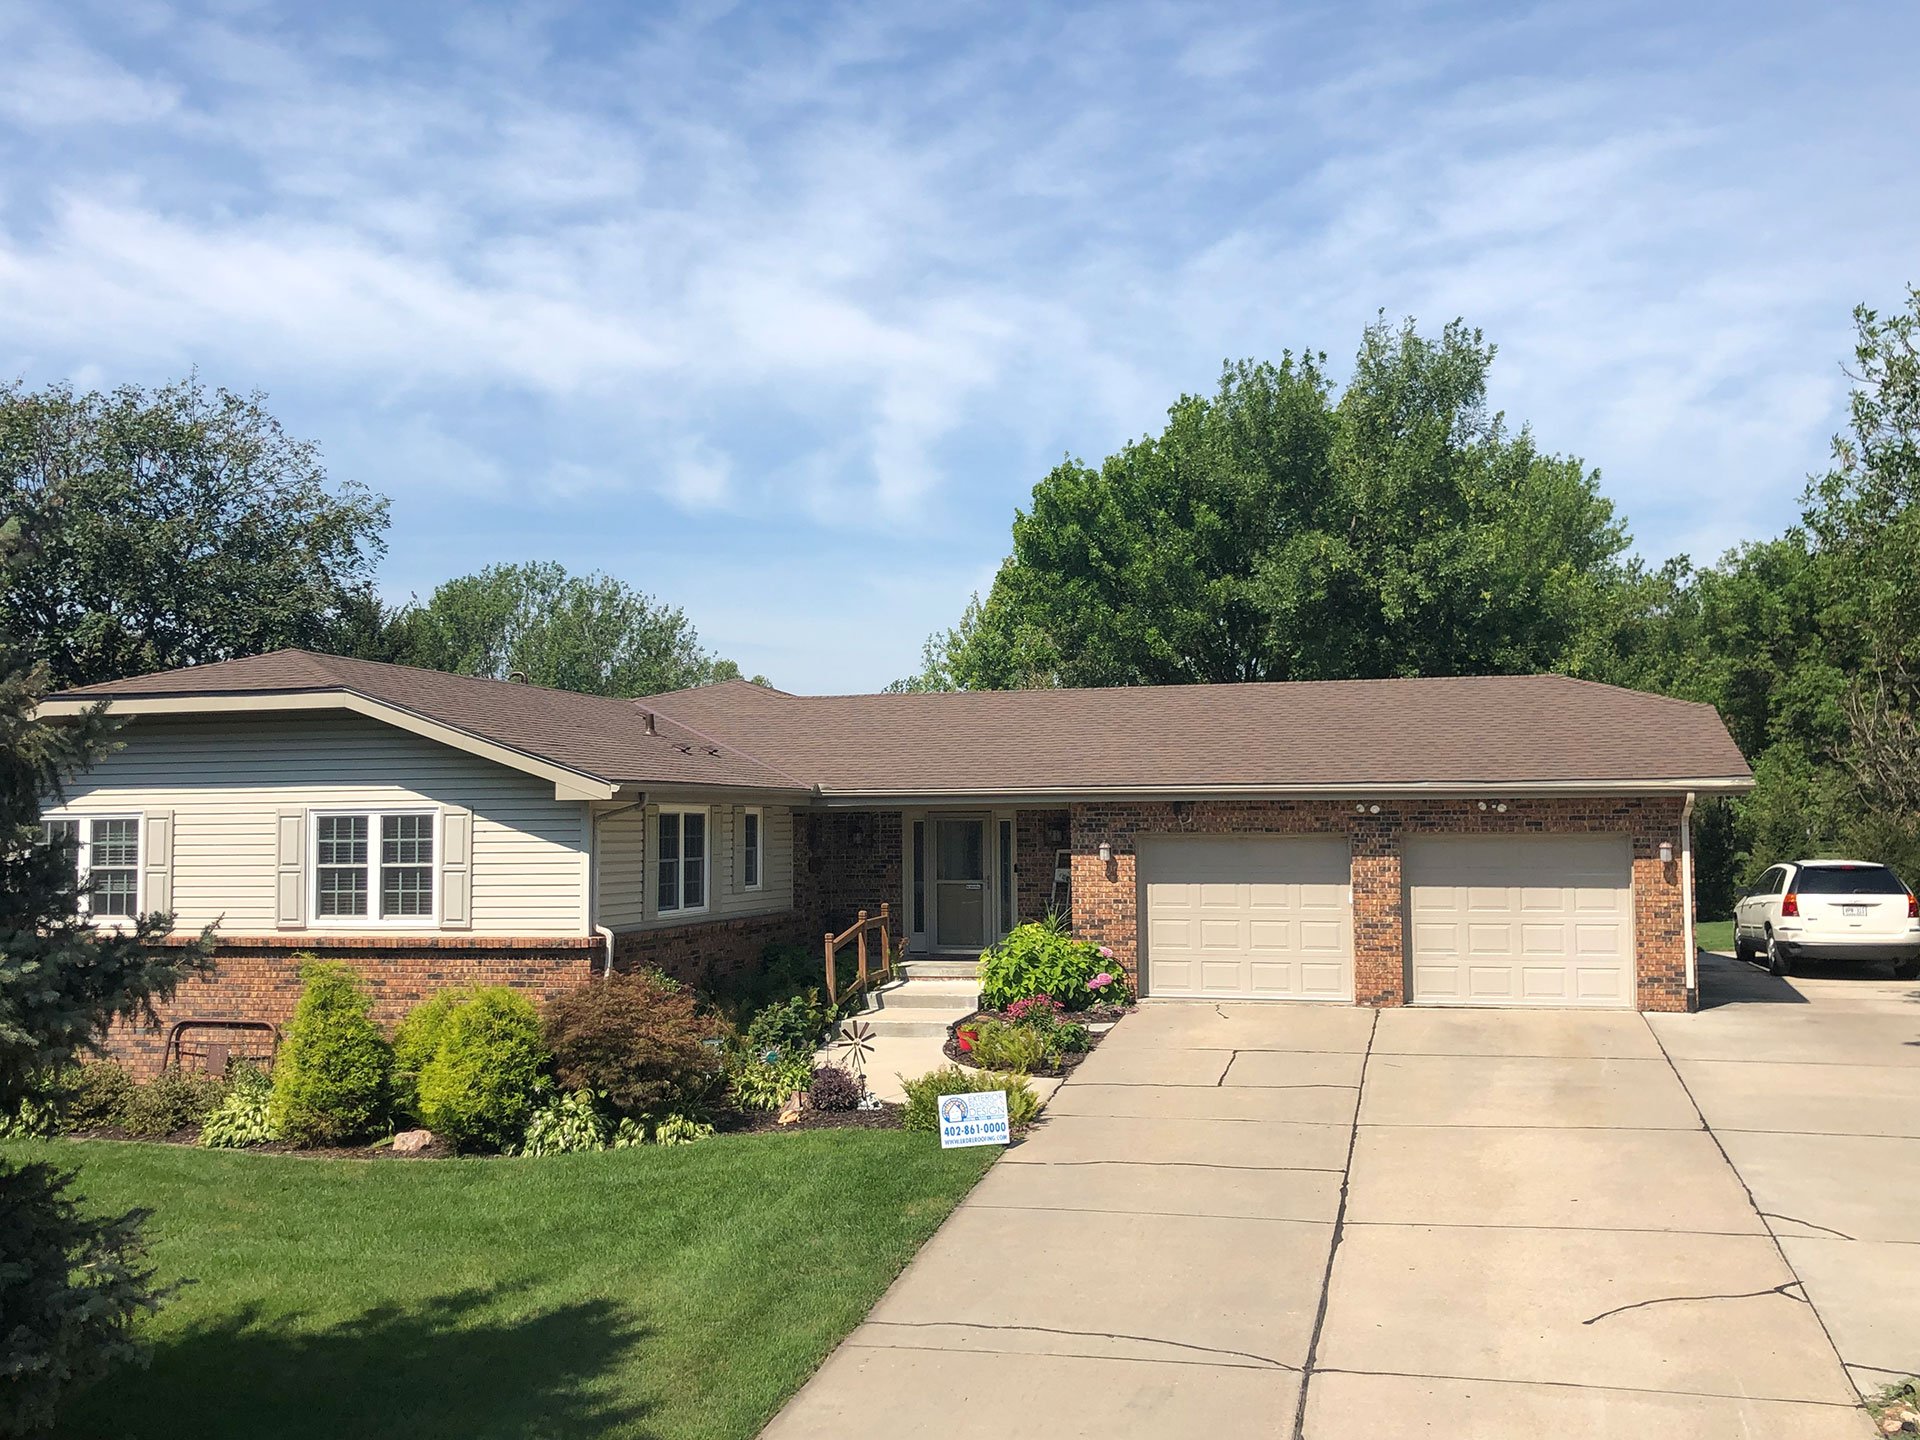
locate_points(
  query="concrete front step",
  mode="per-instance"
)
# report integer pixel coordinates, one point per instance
(959, 968)
(923, 994)
(910, 1022)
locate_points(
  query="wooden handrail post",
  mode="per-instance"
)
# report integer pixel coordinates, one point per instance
(862, 942)
(833, 997)
(886, 942)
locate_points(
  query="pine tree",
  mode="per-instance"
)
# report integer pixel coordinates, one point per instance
(71, 1284)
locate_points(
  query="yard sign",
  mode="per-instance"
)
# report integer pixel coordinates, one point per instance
(976, 1119)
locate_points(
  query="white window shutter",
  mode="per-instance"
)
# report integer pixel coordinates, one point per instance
(157, 843)
(456, 869)
(290, 887)
(737, 841)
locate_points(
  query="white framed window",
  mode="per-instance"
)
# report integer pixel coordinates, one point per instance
(106, 852)
(374, 866)
(752, 828)
(680, 861)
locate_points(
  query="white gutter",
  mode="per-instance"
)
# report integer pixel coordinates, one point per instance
(1686, 900)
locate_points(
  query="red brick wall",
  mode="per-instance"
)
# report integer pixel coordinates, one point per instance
(711, 954)
(258, 978)
(846, 861)
(1105, 897)
(1034, 842)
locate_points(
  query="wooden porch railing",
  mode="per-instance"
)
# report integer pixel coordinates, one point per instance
(867, 973)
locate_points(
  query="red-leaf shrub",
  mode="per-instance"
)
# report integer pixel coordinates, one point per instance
(834, 1089)
(640, 1040)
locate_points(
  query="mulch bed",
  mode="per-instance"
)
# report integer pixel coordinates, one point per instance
(1098, 1015)
(438, 1150)
(760, 1122)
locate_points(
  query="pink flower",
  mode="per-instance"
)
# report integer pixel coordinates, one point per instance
(1106, 952)
(1100, 981)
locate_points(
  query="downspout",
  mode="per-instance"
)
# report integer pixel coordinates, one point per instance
(1686, 902)
(593, 876)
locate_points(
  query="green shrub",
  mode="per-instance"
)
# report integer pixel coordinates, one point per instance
(98, 1094)
(174, 1100)
(640, 1041)
(41, 1112)
(331, 1080)
(794, 1026)
(1042, 958)
(481, 1085)
(1022, 1048)
(1071, 1039)
(416, 1041)
(71, 1289)
(681, 1130)
(835, 1089)
(243, 1118)
(768, 1084)
(565, 1123)
(923, 1095)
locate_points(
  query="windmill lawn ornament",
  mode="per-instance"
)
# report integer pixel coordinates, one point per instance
(856, 1044)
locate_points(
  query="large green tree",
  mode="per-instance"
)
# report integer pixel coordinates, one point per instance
(71, 1284)
(171, 527)
(1273, 531)
(591, 633)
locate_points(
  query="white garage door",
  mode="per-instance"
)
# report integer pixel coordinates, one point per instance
(1530, 920)
(1247, 917)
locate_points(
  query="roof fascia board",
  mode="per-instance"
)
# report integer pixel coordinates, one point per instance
(1467, 789)
(568, 784)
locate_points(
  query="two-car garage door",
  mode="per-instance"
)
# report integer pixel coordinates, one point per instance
(1508, 920)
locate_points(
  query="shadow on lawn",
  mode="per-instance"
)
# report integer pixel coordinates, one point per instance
(445, 1367)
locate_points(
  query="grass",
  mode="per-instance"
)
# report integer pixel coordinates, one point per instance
(677, 1293)
(1714, 934)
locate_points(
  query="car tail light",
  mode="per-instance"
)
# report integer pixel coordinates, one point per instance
(1913, 906)
(1790, 905)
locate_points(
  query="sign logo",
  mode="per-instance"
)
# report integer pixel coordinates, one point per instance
(977, 1119)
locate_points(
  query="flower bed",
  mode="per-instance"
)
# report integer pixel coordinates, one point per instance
(1053, 1063)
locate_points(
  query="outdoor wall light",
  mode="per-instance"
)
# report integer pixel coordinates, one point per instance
(1106, 853)
(1501, 807)
(1359, 809)
(1373, 809)
(1666, 852)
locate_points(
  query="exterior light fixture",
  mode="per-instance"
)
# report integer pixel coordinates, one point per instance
(1359, 809)
(1373, 809)
(1501, 807)
(1666, 852)
(1483, 804)
(1106, 853)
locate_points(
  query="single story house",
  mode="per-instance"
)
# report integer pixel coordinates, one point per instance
(1507, 840)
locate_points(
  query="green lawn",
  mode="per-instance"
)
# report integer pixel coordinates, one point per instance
(672, 1293)
(1714, 934)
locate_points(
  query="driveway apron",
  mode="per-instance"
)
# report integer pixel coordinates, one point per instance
(1315, 1221)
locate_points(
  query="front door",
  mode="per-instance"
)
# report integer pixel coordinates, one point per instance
(960, 912)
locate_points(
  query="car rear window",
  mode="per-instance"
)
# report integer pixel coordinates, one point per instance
(1848, 880)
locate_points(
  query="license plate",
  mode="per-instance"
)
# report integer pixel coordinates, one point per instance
(1854, 912)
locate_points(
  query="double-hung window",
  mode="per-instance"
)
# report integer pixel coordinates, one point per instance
(106, 850)
(750, 832)
(372, 864)
(680, 861)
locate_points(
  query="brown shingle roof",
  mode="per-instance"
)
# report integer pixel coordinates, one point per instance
(1490, 730)
(591, 734)
(1467, 731)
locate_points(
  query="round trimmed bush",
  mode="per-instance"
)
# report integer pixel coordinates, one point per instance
(835, 1089)
(416, 1041)
(483, 1081)
(330, 1081)
(639, 1040)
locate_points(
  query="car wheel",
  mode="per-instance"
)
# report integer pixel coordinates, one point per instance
(1777, 961)
(1741, 949)
(1907, 970)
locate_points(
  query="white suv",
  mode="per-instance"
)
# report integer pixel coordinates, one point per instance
(1829, 910)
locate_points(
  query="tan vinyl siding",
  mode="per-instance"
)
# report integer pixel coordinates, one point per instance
(227, 784)
(627, 898)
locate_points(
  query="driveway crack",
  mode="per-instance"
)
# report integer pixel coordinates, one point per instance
(1267, 1360)
(1232, 1055)
(1784, 1288)
(1796, 1220)
(1339, 1228)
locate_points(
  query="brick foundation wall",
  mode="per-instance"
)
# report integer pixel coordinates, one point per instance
(258, 978)
(710, 955)
(1106, 896)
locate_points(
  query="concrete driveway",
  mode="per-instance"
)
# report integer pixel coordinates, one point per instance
(1279, 1220)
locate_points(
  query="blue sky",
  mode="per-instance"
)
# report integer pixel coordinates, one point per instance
(779, 311)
